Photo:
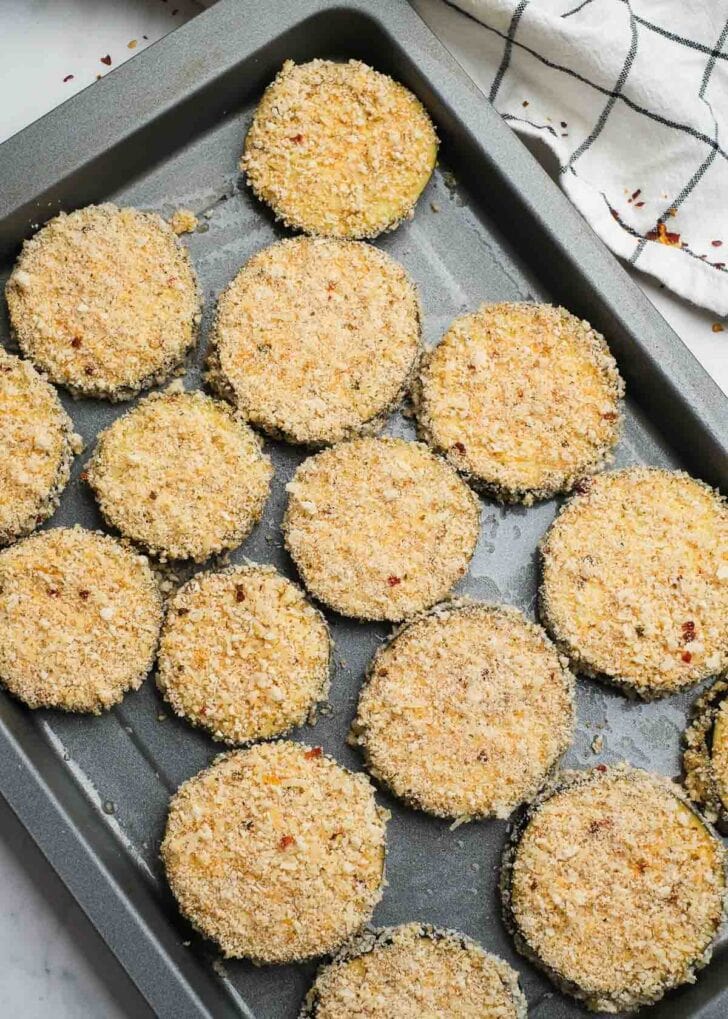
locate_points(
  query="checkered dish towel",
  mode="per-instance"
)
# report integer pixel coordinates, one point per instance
(632, 97)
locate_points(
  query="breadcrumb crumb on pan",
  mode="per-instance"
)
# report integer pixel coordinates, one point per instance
(705, 756)
(316, 340)
(523, 399)
(413, 971)
(105, 301)
(615, 886)
(181, 474)
(276, 852)
(37, 446)
(635, 580)
(243, 654)
(466, 710)
(338, 149)
(80, 615)
(380, 528)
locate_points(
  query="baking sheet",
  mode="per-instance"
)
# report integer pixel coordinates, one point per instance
(94, 791)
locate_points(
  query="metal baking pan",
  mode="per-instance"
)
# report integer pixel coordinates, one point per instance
(165, 131)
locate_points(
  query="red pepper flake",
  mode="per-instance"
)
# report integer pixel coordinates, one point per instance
(601, 767)
(152, 495)
(717, 327)
(638, 205)
(106, 60)
(76, 342)
(686, 656)
(69, 77)
(601, 823)
(688, 631)
(459, 447)
(83, 475)
(239, 593)
(183, 612)
(610, 416)
(84, 595)
(89, 369)
(664, 236)
(717, 244)
(312, 753)
(636, 194)
(393, 581)
(297, 138)
(285, 841)
(53, 592)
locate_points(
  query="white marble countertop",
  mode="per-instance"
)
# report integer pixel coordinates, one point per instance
(54, 963)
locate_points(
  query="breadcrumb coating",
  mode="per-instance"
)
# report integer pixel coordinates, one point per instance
(37, 446)
(181, 474)
(706, 754)
(243, 654)
(380, 528)
(411, 972)
(466, 710)
(105, 301)
(635, 580)
(338, 149)
(316, 340)
(80, 615)
(276, 852)
(523, 399)
(615, 886)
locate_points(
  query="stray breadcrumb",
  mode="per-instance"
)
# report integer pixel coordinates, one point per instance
(243, 654)
(466, 710)
(316, 340)
(276, 852)
(182, 475)
(635, 580)
(706, 754)
(411, 972)
(183, 221)
(615, 887)
(105, 301)
(339, 150)
(80, 615)
(523, 399)
(380, 528)
(37, 446)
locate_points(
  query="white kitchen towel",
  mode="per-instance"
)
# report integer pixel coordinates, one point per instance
(632, 97)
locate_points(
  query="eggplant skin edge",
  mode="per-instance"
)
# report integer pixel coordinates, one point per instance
(700, 781)
(626, 1002)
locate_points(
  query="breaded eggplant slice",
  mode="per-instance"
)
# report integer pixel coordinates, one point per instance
(635, 580)
(181, 474)
(523, 399)
(105, 301)
(276, 852)
(338, 149)
(243, 654)
(615, 886)
(80, 615)
(413, 971)
(466, 710)
(705, 758)
(37, 446)
(316, 340)
(380, 528)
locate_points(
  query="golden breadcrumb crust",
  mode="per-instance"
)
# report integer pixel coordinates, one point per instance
(380, 528)
(80, 615)
(105, 301)
(181, 474)
(466, 710)
(411, 972)
(37, 446)
(316, 340)
(615, 886)
(635, 580)
(338, 149)
(276, 852)
(523, 399)
(243, 654)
